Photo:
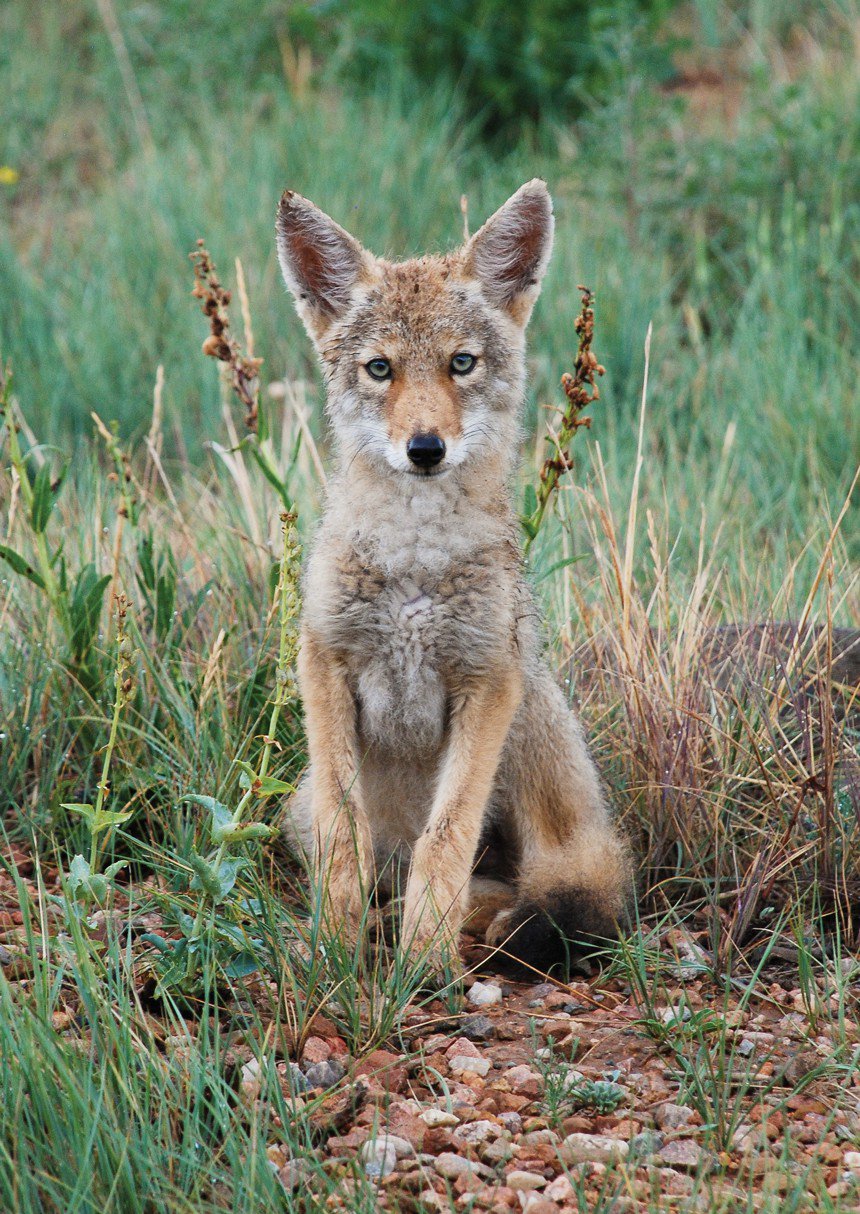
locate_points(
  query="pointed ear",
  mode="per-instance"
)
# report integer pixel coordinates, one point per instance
(510, 253)
(321, 262)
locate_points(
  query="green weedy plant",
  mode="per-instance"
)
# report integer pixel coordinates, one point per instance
(157, 581)
(86, 883)
(212, 942)
(602, 1095)
(715, 1078)
(566, 1090)
(210, 935)
(75, 607)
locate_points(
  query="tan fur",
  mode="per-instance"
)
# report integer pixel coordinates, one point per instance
(432, 720)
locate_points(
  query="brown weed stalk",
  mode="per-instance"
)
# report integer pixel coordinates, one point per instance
(580, 390)
(244, 370)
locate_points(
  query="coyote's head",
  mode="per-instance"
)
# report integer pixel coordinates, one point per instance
(424, 359)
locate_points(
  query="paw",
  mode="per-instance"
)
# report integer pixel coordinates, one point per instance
(345, 913)
(438, 960)
(500, 928)
(431, 946)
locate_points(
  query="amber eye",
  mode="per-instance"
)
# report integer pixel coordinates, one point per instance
(462, 364)
(378, 368)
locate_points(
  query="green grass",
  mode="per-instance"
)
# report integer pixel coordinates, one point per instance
(740, 250)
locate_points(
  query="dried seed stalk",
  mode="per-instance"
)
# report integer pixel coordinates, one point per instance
(220, 344)
(581, 390)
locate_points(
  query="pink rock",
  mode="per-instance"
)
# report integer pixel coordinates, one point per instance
(385, 1068)
(560, 1189)
(316, 1050)
(524, 1081)
(462, 1048)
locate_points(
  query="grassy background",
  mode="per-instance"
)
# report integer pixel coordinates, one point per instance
(705, 174)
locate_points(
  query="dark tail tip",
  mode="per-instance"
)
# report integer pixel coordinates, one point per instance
(565, 926)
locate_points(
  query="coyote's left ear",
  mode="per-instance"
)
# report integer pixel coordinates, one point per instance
(320, 261)
(510, 253)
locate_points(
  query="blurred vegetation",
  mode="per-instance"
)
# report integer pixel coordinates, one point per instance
(720, 202)
(509, 64)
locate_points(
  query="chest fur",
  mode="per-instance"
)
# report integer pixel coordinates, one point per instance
(415, 602)
(411, 642)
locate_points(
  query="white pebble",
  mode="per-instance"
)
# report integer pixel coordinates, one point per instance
(439, 1117)
(484, 994)
(463, 1065)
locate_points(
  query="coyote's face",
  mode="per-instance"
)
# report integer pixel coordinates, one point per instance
(424, 359)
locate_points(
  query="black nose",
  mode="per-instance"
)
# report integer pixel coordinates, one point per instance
(425, 450)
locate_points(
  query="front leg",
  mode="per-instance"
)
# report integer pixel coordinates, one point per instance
(438, 887)
(342, 840)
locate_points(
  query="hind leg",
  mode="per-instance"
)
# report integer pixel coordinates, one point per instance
(574, 875)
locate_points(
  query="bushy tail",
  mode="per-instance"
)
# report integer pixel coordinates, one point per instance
(554, 932)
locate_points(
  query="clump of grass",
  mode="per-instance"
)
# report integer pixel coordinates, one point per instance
(204, 939)
(731, 749)
(74, 606)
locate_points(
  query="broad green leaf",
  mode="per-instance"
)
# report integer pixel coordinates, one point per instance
(98, 820)
(85, 609)
(228, 871)
(269, 786)
(24, 568)
(85, 884)
(98, 887)
(163, 946)
(79, 870)
(248, 775)
(205, 876)
(79, 807)
(172, 966)
(529, 499)
(231, 933)
(241, 966)
(236, 832)
(214, 806)
(215, 881)
(221, 816)
(106, 818)
(264, 786)
(45, 491)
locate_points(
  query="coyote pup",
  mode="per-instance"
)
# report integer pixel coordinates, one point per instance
(438, 737)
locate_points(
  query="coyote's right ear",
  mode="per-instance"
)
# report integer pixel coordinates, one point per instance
(321, 262)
